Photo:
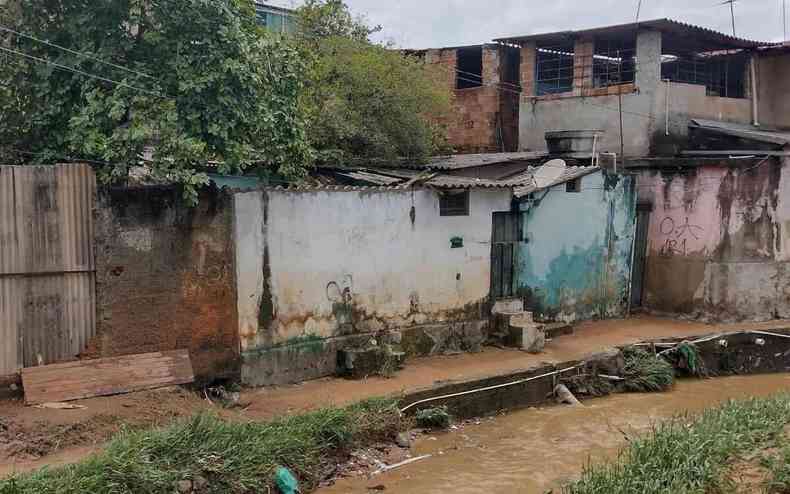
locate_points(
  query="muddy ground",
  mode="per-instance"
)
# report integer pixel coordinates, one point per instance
(31, 437)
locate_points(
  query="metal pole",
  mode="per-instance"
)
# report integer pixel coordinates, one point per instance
(620, 104)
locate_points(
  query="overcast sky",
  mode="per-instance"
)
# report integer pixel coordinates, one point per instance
(437, 23)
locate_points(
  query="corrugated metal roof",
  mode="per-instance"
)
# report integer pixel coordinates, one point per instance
(758, 134)
(720, 40)
(571, 173)
(459, 161)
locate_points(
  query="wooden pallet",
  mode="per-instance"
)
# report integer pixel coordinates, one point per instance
(105, 377)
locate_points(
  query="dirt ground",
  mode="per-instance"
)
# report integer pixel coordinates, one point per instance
(32, 437)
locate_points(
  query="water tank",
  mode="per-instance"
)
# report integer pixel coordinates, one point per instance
(574, 143)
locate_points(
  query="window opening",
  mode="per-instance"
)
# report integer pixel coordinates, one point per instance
(554, 69)
(454, 203)
(574, 185)
(469, 67)
(722, 74)
(613, 62)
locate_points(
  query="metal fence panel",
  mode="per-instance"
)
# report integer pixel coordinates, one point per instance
(47, 269)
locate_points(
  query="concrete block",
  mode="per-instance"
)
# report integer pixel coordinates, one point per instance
(530, 338)
(508, 306)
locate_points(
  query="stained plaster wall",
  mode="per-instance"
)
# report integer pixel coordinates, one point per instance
(719, 242)
(644, 106)
(165, 277)
(773, 79)
(576, 262)
(318, 269)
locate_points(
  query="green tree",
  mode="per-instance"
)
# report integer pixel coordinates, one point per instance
(197, 83)
(365, 100)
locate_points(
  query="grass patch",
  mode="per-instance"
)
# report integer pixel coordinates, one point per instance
(645, 372)
(778, 481)
(233, 457)
(688, 454)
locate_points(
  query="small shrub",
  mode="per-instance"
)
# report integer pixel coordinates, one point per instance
(434, 418)
(645, 372)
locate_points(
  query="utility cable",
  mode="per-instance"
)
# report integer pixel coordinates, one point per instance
(74, 52)
(78, 71)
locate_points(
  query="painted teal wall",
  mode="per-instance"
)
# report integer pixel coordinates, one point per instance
(575, 262)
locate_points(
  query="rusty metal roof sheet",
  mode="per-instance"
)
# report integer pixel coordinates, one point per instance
(460, 161)
(779, 138)
(715, 39)
(571, 173)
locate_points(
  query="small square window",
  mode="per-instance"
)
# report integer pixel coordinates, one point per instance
(574, 185)
(454, 203)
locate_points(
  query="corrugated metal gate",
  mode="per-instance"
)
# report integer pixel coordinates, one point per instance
(47, 269)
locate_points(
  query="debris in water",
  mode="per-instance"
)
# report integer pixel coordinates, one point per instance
(564, 395)
(286, 482)
(401, 464)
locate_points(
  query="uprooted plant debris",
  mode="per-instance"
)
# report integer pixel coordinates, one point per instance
(646, 372)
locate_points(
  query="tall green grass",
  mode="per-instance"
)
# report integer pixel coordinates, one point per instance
(233, 457)
(688, 455)
(778, 481)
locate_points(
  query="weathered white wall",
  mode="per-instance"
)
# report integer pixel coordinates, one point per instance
(330, 263)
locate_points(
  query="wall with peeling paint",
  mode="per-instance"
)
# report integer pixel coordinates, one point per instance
(332, 265)
(719, 242)
(576, 261)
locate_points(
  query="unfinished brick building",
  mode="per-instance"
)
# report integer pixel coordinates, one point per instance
(484, 79)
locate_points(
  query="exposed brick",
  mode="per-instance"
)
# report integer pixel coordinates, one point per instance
(165, 277)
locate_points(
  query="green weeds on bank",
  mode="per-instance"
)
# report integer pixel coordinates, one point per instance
(778, 481)
(233, 457)
(689, 454)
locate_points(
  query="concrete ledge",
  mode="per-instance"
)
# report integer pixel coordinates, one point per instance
(314, 358)
(742, 355)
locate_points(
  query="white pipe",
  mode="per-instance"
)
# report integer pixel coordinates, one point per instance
(755, 105)
(489, 388)
(667, 110)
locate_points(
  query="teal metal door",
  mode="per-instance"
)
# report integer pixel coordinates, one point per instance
(506, 235)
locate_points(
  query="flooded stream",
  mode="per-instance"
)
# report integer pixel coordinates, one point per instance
(533, 451)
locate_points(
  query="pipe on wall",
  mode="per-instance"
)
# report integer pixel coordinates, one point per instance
(753, 68)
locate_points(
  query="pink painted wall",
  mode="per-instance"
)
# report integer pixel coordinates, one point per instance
(719, 241)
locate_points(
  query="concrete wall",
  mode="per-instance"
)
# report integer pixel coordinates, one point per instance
(576, 263)
(773, 78)
(317, 269)
(644, 108)
(719, 242)
(164, 277)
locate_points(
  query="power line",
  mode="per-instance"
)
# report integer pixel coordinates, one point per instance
(78, 71)
(74, 52)
(784, 18)
(638, 11)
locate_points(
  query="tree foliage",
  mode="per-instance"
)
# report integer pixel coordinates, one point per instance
(365, 100)
(204, 85)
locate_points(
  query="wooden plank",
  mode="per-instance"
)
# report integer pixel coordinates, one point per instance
(105, 377)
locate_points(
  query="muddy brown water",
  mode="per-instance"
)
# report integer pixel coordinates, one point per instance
(536, 450)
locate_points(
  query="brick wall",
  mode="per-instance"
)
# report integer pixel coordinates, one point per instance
(482, 116)
(165, 277)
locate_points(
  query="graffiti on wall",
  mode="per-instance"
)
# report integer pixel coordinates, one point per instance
(341, 294)
(678, 236)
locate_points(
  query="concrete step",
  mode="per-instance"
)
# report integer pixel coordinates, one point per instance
(557, 329)
(508, 306)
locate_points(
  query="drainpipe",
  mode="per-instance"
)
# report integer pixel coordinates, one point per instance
(753, 67)
(666, 112)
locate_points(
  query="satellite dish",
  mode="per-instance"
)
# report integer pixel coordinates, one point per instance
(549, 173)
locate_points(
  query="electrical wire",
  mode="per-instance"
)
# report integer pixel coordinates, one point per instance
(74, 52)
(80, 72)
